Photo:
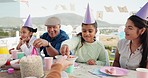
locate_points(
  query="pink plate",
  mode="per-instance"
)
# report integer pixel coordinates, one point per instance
(119, 71)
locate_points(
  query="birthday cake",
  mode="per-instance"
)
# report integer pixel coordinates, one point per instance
(31, 66)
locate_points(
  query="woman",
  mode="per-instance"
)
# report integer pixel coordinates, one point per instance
(132, 52)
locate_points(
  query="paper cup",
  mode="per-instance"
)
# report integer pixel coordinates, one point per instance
(20, 55)
(48, 62)
(142, 73)
(70, 69)
(14, 53)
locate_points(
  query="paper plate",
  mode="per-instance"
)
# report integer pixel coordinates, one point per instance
(119, 71)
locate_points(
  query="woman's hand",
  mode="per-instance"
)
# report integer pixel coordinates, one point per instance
(64, 50)
(91, 62)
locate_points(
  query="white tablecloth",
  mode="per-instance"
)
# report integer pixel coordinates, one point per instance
(81, 71)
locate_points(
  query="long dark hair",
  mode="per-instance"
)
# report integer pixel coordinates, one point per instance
(80, 34)
(30, 29)
(140, 23)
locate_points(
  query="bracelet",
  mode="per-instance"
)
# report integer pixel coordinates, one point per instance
(48, 45)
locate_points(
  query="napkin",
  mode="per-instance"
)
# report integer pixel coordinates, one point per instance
(97, 72)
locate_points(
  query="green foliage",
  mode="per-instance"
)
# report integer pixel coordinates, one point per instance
(4, 34)
(108, 47)
(11, 32)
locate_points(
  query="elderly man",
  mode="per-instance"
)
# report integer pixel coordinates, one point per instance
(50, 41)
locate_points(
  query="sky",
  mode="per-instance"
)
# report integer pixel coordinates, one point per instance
(42, 8)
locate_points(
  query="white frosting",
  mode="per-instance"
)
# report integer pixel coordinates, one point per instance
(31, 66)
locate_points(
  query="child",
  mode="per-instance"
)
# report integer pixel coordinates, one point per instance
(27, 38)
(85, 46)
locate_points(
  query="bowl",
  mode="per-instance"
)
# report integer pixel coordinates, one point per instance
(2, 61)
(71, 58)
(6, 56)
(15, 64)
(58, 56)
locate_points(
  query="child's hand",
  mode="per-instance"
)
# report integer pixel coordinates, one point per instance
(91, 62)
(24, 40)
(64, 50)
(11, 49)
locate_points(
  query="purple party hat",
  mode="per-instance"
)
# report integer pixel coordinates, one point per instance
(28, 22)
(88, 19)
(143, 12)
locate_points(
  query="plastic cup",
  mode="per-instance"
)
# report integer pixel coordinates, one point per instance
(70, 69)
(20, 55)
(14, 53)
(4, 50)
(48, 62)
(142, 73)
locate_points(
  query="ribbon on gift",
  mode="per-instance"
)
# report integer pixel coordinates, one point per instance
(34, 52)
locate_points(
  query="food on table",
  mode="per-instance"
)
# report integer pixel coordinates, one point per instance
(31, 66)
(71, 56)
(107, 71)
(15, 64)
(113, 70)
(17, 61)
(110, 71)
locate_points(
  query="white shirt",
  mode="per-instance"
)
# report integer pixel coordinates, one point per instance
(28, 49)
(128, 59)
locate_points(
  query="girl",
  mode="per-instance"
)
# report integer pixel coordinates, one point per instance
(27, 38)
(85, 45)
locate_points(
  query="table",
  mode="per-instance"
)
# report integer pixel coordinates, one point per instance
(81, 71)
(16, 74)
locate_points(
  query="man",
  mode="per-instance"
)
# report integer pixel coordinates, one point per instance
(50, 41)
